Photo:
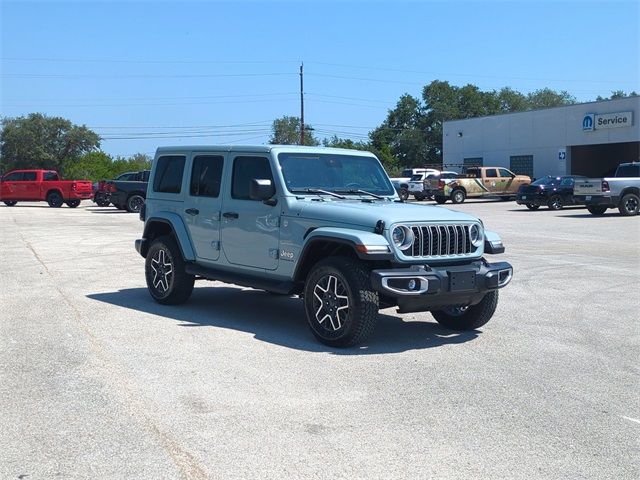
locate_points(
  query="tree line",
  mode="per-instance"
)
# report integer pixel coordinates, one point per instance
(409, 136)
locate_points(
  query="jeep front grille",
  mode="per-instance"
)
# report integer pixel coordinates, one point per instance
(440, 241)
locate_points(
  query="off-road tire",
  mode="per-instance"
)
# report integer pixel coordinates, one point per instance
(179, 284)
(532, 206)
(102, 202)
(344, 278)
(55, 200)
(403, 193)
(134, 203)
(596, 209)
(10, 203)
(629, 205)
(555, 202)
(73, 203)
(458, 196)
(440, 200)
(418, 196)
(475, 316)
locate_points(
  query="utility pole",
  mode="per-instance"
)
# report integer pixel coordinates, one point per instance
(301, 104)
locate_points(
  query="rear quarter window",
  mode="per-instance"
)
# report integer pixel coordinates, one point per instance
(169, 172)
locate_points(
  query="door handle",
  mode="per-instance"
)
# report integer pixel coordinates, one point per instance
(230, 215)
(192, 211)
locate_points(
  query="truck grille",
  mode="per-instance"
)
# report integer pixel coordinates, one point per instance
(440, 241)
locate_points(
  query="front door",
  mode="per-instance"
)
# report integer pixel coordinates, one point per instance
(31, 187)
(250, 228)
(203, 203)
(491, 180)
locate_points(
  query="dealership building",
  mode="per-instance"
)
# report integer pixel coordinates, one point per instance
(584, 139)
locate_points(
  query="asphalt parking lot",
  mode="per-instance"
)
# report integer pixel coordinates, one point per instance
(98, 381)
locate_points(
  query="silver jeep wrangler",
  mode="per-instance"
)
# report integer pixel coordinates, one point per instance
(324, 224)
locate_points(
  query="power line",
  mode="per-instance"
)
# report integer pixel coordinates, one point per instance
(82, 75)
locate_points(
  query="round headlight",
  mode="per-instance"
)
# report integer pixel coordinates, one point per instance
(399, 236)
(402, 237)
(475, 234)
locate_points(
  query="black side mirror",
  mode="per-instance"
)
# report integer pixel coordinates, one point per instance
(261, 189)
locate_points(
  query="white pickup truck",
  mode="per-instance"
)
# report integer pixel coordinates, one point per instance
(622, 191)
(401, 184)
(420, 183)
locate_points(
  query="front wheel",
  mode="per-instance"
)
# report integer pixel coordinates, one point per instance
(54, 199)
(134, 203)
(555, 202)
(167, 281)
(403, 193)
(629, 205)
(10, 203)
(458, 196)
(73, 203)
(468, 317)
(596, 209)
(531, 206)
(341, 305)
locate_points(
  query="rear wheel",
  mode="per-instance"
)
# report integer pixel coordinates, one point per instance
(134, 203)
(54, 199)
(10, 203)
(73, 203)
(440, 200)
(596, 209)
(341, 305)
(167, 281)
(629, 205)
(458, 196)
(531, 206)
(418, 196)
(555, 202)
(404, 194)
(468, 317)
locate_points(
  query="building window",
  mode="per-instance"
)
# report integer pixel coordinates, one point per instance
(521, 165)
(473, 162)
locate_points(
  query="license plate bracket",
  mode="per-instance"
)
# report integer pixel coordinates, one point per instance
(462, 281)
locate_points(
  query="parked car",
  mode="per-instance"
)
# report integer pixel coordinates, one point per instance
(102, 190)
(479, 182)
(422, 186)
(622, 191)
(128, 195)
(321, 223)
(554, 192)
(42, 185)
(401, 184)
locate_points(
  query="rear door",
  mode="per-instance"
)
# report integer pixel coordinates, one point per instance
(203, 204)
(506, 181)
(250, 228)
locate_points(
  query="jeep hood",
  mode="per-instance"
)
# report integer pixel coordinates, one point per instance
(366, 214)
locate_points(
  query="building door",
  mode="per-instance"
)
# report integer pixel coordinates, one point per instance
(521, 165)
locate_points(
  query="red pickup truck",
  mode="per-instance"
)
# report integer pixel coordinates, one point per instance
(38, 185)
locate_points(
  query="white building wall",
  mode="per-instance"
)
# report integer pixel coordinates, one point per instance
(541, 133)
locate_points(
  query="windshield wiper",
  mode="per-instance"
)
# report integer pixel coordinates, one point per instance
(374, 195)
(317, 190)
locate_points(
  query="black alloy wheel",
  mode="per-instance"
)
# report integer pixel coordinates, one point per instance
(10, 203)
(167, 281)
(54, 199)
(73, 203)
(340, 304)
(555, 202)
(458, 317)
(532, 206)
(134, 203)
(629, 205)
(596, 209)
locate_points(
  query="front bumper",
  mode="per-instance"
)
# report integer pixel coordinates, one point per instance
(421, 288)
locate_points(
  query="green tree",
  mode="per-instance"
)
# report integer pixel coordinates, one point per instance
(40, 141)
(90, 166)
(617, 94)
(547, 98)
(286, 131)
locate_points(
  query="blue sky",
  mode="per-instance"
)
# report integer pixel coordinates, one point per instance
(147, 74)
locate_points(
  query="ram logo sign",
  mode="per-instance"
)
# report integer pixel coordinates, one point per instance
(591, 121)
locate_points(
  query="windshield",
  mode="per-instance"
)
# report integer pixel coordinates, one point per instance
(548, 180)
(331, 172)
(416, 178)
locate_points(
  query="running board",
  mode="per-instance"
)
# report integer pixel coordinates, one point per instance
(281, 287)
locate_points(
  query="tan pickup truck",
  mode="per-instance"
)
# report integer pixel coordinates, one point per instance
(480, 182)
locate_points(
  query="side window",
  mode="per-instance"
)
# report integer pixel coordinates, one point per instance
(244, 170)
(206, 175)
(169, 170)
(490, 173)
(29, 177)
(505, 173)
(13, 177)
(50, 177)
